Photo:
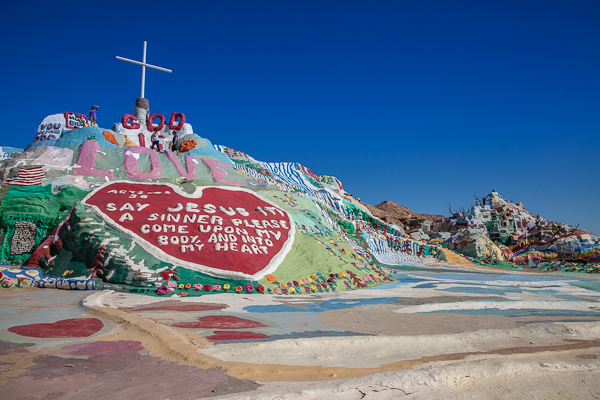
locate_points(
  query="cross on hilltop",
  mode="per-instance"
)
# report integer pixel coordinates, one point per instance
(144, 65)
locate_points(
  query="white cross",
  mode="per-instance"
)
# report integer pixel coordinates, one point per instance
(144, 65)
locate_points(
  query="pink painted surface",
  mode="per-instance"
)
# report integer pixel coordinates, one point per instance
(132, 169)
(190, 165)
(102, 347)
(66, 328)
(87, 160)
(218, 173)
(235, 335)
(220, 322)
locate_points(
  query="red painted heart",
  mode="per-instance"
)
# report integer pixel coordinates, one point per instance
(222, 231)
(220, 322)
(66, 328)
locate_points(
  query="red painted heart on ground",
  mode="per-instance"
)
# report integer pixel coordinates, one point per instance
(223, 231)
(220, 322)
(66, 328)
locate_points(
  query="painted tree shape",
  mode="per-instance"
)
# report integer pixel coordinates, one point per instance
(465, 242)
(356, 280)
(382, 275)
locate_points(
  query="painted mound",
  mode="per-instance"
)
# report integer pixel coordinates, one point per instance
(90, 208)
(496, 231)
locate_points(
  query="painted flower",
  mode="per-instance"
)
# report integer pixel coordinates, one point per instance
(21, 279)
(260, 288)
(207, 287)
(277, 291)
(164, 289)
(226, 286)
(320, 274)
(271, 278)
(180, 286)
(296, 283)
(216, 288)
(330, 280)
(8, 281)
(183, 294)
(309, 279)
(248, 287)
(284, 291)
(172, 284)
(290, 284)
(305, 281)
(299, 290)
(376, 278)
(187, 285)
(238, 289)
(314, 277)
(307, 289)
(312, 287)
(346, 283)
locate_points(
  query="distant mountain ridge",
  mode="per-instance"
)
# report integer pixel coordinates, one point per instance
(393, 213)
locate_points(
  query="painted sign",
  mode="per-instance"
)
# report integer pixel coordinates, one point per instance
(222, 231)
(51, 127)
(75, 120)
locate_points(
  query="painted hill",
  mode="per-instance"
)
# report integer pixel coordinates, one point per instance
(86, 207)
(156, 209)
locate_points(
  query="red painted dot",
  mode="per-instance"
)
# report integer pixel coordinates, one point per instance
(220, 322)
(66, 328)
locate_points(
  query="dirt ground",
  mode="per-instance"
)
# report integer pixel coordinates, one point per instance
(432, 334)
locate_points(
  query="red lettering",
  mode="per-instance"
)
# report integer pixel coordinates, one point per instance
(161, 124)
(173, 121)
(135, 124)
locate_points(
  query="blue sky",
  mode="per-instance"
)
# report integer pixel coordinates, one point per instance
(421, 102)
